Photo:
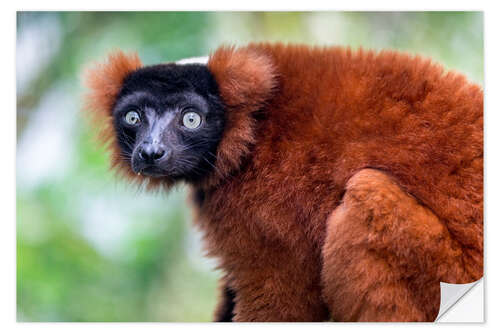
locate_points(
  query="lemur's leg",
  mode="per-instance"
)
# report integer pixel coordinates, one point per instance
(225, 307)
(277, 298)
(385, 254)
(281, 289)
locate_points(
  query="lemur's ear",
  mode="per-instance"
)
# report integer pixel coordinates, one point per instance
(105, 80)
(245, 76)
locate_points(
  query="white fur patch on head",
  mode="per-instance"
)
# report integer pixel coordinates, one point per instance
(194, 60)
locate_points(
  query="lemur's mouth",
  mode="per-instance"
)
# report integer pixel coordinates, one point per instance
(153, 171)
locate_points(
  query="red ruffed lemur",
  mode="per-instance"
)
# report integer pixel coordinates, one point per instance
(330, 184)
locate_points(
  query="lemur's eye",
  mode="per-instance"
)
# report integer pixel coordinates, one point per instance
(191, 120)
(132, 118)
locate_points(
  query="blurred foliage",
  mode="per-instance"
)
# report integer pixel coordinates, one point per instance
(89, 246)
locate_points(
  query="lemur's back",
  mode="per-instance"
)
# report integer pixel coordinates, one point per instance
(339, 111)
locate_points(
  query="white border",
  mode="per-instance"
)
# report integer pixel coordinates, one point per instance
(492, 110)
(256, 5)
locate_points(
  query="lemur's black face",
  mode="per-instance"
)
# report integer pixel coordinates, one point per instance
(169, 121)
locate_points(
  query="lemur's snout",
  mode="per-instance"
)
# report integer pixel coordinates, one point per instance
(152, 159)
(152, 152)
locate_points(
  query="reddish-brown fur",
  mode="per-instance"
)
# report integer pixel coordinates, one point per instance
(349, 184)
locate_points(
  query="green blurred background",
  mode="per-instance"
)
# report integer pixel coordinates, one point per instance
(89, 246)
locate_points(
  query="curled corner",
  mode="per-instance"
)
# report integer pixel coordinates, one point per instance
(195, 60)
(452, 295)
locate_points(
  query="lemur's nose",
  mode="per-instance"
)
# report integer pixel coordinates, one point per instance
(151, 152)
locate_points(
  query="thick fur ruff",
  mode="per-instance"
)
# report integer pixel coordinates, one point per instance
(348, 184)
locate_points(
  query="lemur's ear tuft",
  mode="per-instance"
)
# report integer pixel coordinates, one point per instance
(245, 76)
(105, 80)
